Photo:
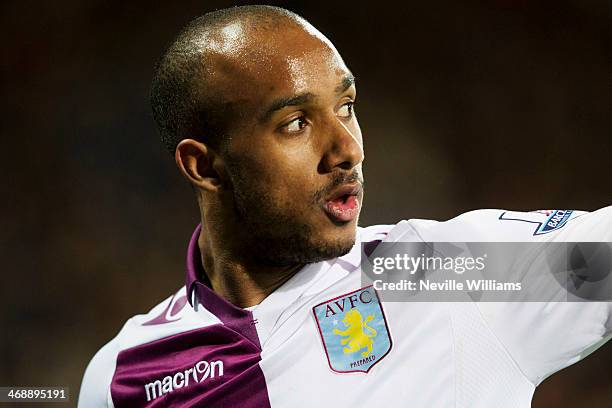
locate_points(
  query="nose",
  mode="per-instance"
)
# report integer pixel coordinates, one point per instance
(344, 147)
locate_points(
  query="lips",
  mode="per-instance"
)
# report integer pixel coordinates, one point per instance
(342, 205)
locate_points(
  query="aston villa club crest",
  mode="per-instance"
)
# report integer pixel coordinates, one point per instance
(354, 330)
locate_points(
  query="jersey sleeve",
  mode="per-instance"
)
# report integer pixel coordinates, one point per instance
(541, 337)
(95, 388)
(544, 337)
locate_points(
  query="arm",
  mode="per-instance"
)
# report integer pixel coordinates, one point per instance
(545, 337)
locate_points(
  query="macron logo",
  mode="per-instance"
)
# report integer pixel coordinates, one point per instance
(198, 373)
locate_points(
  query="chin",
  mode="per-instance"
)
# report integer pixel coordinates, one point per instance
(292, 242)
(339, 239)
(335, 230)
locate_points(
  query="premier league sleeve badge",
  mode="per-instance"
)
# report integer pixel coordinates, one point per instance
(354, 331)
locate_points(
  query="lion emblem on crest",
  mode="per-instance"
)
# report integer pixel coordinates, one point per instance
(358, 335)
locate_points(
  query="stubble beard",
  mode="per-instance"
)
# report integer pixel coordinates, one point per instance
(274, 238)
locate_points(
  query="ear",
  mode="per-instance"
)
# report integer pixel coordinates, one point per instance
(199, 164)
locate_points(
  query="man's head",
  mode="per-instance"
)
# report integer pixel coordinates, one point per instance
(257, 107)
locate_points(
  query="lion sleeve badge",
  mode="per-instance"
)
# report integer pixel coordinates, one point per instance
(354, 330)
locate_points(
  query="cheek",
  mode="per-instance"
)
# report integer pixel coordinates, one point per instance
(299, 172)
(283, 170)
(292, 162)
(295, 187)
(291, 190)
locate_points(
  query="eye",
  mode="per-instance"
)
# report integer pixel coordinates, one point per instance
(346, 110)
(295, 125)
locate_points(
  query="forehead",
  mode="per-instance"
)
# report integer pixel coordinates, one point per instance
(254, 66)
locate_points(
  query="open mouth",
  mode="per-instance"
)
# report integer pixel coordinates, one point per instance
(343, 205)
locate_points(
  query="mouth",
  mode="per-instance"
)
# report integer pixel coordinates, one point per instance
(342, 205)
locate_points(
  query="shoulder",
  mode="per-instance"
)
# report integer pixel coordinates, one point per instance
(95, 387)
(469, 224)
(170, 316)
(497, 225)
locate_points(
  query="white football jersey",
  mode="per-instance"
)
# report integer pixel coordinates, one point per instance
(323, 340)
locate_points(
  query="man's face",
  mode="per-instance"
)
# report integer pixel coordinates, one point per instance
(295, 149)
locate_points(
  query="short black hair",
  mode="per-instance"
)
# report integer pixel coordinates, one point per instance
(181, 95)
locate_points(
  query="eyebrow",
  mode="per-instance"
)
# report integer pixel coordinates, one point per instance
(303, 98)
(347, 82)
(281, 103)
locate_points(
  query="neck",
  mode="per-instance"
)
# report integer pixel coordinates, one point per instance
(239, 281)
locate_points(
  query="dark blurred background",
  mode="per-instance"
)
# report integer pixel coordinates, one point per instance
(463, 105)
